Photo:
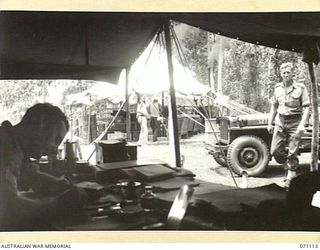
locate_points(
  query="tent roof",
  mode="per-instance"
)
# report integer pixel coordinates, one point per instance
(60, 45)
(99, 91)
(83, 45)
(289, 31)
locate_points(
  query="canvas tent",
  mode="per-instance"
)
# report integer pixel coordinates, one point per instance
(73, 45)
(69, 45)
(99, 91)
(149, 75)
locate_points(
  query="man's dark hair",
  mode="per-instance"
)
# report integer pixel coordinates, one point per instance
(51, 112)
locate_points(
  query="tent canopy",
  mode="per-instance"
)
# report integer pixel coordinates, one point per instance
(99, 91)
(76, 45)
(57, 45)
(150, 74)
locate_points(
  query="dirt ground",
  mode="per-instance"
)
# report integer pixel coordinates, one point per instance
(197, 159)
(201, 163)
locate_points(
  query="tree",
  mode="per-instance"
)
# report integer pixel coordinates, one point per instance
(18, 95)
(195, 47)
(249, 71)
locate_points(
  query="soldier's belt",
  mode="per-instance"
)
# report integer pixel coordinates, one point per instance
(290, 117)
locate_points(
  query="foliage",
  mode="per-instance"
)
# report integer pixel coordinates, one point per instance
(195, 48)
(74, 87)
(17, 95)
(249, 71)
(78, 86)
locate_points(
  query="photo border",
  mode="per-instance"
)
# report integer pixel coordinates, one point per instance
(161, 6)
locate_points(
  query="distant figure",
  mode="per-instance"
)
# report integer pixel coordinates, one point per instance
(142, 117)
(202, 112)
(155, 114)
(289, 111)
(202, 109)
(39, 133)
(165, 111)
(122, 113)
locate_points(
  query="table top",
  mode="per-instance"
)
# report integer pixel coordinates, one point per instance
(210, 203)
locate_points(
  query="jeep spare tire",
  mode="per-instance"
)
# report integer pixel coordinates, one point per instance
(248, 153)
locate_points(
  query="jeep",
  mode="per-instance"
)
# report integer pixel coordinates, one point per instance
(244, 143)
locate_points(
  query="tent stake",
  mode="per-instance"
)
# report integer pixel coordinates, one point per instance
(172, 94)
(315, 120)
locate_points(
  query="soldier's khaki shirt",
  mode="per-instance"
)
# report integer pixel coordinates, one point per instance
(293, 101)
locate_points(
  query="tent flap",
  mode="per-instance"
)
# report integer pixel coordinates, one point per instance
(287, 31)
(64, 45)
(23, 70)
(311, 53)
(93, 45)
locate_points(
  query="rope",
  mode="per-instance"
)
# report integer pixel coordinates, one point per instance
(217, 139)
(183, 57)
(190, 118)
(180, 50)
(157, 40)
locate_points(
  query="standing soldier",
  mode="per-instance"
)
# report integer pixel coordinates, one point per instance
(155, 114)
(142, 117)
(289, 111)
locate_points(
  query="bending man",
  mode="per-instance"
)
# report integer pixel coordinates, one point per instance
(39, 133)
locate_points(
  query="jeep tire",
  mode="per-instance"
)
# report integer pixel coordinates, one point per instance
(248, 153)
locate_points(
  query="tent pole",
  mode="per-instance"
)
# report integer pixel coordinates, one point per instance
(172, 94)
(220, 65)
(315, 120)
(210, 85)
(128, 117)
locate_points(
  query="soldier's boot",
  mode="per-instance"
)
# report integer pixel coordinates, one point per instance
(286, 169)
(290, 176)
(290, 165)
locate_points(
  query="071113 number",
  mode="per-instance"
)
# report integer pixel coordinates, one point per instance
(308, 245)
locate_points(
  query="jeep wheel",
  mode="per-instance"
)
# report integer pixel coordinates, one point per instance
(248, 153)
